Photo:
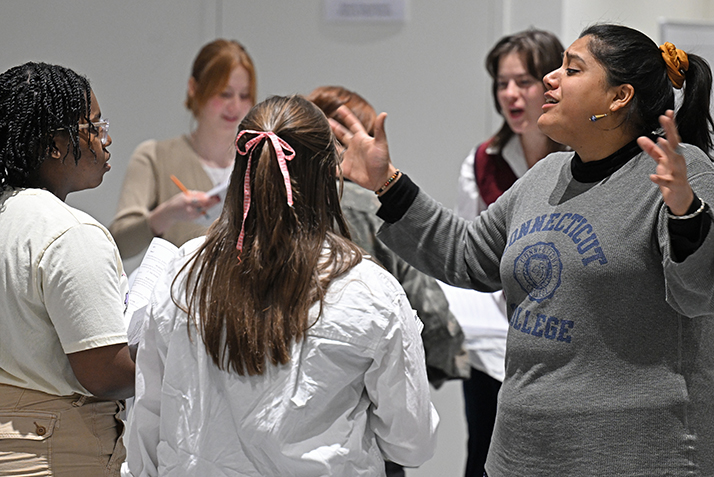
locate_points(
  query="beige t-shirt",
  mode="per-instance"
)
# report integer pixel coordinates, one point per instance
(62, 290)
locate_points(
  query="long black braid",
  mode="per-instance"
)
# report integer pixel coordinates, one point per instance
(37, 102)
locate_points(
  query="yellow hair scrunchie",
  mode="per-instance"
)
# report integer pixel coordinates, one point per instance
(677, 62)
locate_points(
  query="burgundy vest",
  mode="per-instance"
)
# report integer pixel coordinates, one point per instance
(493, 174)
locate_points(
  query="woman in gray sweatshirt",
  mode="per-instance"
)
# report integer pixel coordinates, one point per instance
(606, 259)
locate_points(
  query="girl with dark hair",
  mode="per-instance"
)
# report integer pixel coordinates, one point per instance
(64, 361)
(221, 90)
(516, 64)
(605, 255)
(273, 346)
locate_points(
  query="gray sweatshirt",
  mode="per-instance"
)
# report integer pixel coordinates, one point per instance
(610, 355)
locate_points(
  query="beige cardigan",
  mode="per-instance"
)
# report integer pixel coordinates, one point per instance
(147, 184)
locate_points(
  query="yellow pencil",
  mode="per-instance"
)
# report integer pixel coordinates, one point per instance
(180, 185)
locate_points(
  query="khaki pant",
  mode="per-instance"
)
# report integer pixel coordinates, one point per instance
(71, 436)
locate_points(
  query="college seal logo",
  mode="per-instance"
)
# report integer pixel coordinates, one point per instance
(537, 269)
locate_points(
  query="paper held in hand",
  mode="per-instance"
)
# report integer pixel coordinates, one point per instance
(141, 284)
(212, 214)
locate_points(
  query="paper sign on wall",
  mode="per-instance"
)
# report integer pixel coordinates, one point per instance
(365, 10)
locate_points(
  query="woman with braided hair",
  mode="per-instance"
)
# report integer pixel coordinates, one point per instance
(64, 362)
(605, 256)
(274, 345)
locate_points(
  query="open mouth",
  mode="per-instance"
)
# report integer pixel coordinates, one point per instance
(515, 111)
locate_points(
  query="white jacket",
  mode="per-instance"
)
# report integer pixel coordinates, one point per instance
(354, 392)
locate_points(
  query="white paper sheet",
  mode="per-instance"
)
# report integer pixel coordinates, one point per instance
(479, 314)
(141, 284)
(212, 214)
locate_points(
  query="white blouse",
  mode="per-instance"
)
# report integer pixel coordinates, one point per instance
(354, 392)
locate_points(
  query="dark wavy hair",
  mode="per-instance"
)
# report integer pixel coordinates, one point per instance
(631, 57)
(248, 311)
(38, 102)
(541, 53)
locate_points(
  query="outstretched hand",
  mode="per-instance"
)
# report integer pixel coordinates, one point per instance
(366, 159)
(671, 172)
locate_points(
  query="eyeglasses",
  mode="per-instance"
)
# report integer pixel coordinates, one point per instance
(102, 127)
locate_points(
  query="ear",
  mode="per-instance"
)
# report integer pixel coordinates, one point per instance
(59, 146)
(623, 95)
(191, 89)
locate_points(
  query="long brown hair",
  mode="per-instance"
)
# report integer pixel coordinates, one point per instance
(248, 311)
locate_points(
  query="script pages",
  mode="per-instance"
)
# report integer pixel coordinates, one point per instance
(141, 284)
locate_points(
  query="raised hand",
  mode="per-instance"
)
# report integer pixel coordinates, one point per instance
(366, 158)
(671, 172)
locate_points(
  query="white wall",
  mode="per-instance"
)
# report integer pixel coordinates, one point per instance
(643, 15)
(137, 55)
(427, 73)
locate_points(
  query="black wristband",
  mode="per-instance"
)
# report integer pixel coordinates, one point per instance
(397, 200)
(688, 235)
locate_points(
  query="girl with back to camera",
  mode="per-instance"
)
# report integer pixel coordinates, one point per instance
(221, 90)
(605, 256)
(273, 346)
(442, 336)
(516, 64)
(64, 360)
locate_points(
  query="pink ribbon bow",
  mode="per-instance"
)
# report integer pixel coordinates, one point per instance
(279, 145)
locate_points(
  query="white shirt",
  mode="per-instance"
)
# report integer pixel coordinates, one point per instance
(218, 175)
(482, 316)
(354, 392)
(469, 203)
(63, 290)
